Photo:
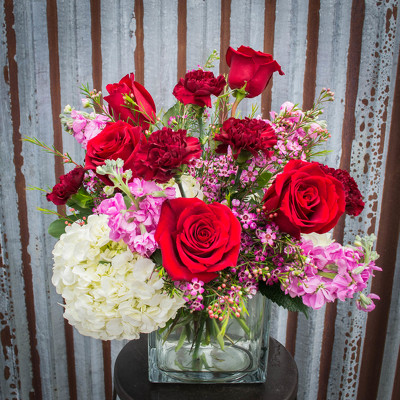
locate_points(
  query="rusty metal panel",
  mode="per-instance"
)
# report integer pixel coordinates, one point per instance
(367, 152)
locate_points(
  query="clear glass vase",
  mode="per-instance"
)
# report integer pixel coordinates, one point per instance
(198, 353)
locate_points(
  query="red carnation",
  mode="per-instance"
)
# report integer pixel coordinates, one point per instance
(69, 185)
(252, 135)
(198, 86)
(354, 202)
(165, 151)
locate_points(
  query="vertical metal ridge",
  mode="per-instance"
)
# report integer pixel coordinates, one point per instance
(182, 29)
(328, 338)
(225, 34)
(106, 345)
(310, 72)
(309, 85)
(7, 332)
(348, 135)
(139, 50)
(95, 16)
(21, 198)
(70, 350)
(54, 65)
(269, 38)
(396, 383)
(388, 236)
(291, 332)
(353, 70)
(349, 119)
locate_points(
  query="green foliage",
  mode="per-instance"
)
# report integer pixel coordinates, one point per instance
(172, 112)
(263, 179)
(157, 257)
(275, 294)
(57, 227)
(81, 201)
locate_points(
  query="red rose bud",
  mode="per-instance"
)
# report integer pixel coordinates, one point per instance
(354, 202)
(69, 185)
(116, 140)
(142, 114)
(305, 199)
(252, 135)
(251, 68)
(165, 151)
(197, 239)
(198, 86)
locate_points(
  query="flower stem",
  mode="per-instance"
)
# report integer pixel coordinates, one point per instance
(201, 128)
(240, 95)
(180, 186)
(238, 174)
(234, 107)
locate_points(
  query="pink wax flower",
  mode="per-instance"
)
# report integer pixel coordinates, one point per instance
(195, 287)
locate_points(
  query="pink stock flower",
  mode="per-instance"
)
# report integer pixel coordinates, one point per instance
(316, 293)
(365, 303)
(135, 226)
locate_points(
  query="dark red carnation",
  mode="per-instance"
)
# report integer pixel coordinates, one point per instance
(165, 151)
(69, 185)
(197, 239)
(198, 86)
(251, 68)
(252, 135)
(304, 199)
(116, 140)
(142, 114)
(354, 202)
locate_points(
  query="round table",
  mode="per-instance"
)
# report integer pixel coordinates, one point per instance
(131, 380)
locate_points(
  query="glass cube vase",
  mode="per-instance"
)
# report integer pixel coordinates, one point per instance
(195, 353)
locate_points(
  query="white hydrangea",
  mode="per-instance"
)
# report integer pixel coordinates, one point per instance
(110, 293)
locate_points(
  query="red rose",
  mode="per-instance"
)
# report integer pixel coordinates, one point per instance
(116, 140)
(253, 67)
(354, 202)
(198, 86)
(69, 185)
(252, 135)
(305, 199)
(145, 111)
(165, 151)
(197, 239)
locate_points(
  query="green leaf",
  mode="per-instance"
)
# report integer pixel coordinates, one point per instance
(157, 257)
(172, 112)
(275, 294)
(57, 228)
(263, 179)
(81, 201)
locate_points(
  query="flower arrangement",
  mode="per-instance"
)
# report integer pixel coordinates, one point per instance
(192, 212)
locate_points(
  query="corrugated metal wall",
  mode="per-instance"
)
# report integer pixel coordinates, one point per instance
(49, 48)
